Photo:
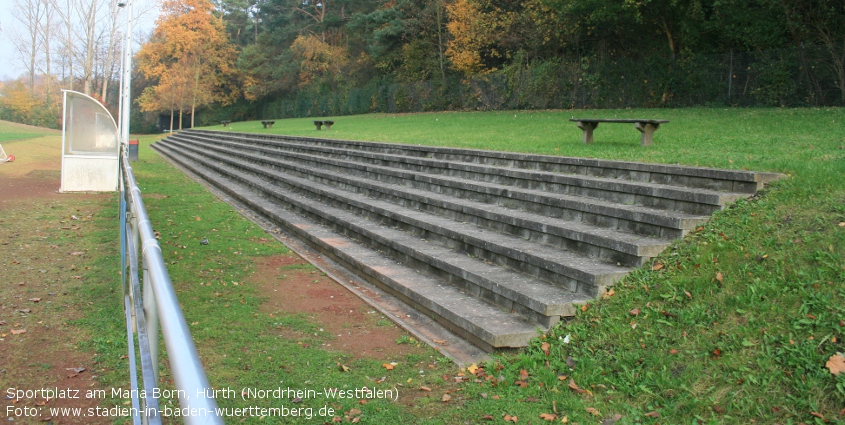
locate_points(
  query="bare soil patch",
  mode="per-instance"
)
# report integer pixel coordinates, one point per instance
(358, 330)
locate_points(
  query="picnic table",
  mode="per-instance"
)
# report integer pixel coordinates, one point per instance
(645, 126)
(225, 123)
(320, 124)
(268, 124)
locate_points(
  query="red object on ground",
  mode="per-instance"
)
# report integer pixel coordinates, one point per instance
(11, 158)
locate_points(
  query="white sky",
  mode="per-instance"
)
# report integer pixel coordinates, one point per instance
(11, 66)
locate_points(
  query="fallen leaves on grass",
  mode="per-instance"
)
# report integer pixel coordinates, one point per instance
(657, 266)
(424, 388)
(446, 398)
(574, 387)
(389, 366)
(545, 347)
(652, 414)
(835, 364)
(18, 331)
(634, 312)
(548, 416)
(593, 411)
(720, 277)
(509, 418)
(612, 420)
(609, 293)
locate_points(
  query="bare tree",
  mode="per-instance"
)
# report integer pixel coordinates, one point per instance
(30, 14)
(112, 41)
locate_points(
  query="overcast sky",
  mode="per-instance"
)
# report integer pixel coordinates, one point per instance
(10, 64)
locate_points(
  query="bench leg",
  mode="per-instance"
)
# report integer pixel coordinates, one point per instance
(647, 129)
(588, 128)
(264, 124)
(328, 126)
(319, 126)
(270, 125)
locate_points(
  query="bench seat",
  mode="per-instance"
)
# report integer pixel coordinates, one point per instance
(645, 126)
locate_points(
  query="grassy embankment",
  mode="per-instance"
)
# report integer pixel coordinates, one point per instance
(735, 324)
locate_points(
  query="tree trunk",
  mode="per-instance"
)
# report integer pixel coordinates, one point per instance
(107, 70)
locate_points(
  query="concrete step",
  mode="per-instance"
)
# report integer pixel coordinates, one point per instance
(565, 269)
(739, 181)
(492, 245)
(646, 221)
(486, 325)
(656, 195)
(595, 242)
(509, 289)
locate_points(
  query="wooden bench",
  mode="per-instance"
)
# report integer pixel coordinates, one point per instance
(320, 124)
(268, 124)
(225, 123)
(646, 127)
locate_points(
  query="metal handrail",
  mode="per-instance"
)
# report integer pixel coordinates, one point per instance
(158, 303)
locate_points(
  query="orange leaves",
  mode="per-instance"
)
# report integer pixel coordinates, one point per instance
(836, 364)
(593, 411)
(574, 387)
(545, 347)
(634, 312)
(652, 414)
(318, 58)
(510, 418)
(548, 416)
(657, 266)
(389, 366)
(720, 277)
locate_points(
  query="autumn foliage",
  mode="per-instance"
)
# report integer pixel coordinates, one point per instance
(189, 57)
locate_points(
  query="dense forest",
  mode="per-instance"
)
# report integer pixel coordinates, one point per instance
(242, 59)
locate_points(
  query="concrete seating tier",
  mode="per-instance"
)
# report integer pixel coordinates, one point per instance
(492, 245)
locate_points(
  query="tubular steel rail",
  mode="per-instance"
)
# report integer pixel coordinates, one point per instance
(148, 305)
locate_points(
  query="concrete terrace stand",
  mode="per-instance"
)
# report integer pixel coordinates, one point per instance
(491, 246)
(646, 127)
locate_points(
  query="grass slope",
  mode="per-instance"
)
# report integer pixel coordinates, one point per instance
(733, 324)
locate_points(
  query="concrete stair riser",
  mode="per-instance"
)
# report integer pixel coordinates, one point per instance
(602, 244)
(724, 180)
(386, 272)
(470, 275)
(628, 218)
(692, 201)
(492, 245)
(737, 181)
(543, 267)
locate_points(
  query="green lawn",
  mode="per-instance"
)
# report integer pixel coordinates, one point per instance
(10, 132)
(733, 324)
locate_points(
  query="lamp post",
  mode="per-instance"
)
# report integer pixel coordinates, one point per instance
(126, 78)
